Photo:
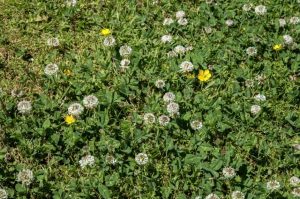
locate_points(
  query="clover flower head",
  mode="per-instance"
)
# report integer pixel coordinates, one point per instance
(90, 101)
(51, 69)
(273, 185)
(228, 172)
(75, 109)
(25, 177)
(141, 159)
(87, 160)
(24, 106)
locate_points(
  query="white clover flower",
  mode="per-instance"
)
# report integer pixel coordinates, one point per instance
(212, 196)
(125, 62)
(71, 3)
(25, 177)
(169, 97)
(182, 21)
(273, 185)
(282, 22)
(53, 42)
(288, 39)
(208, 29)
(87, 160)
(24, 106)
(237, 195)
(173, 108)
(168, 21)
(186, 66)
(255, 109)
(296, 192)
(260, 97)
(247, 7)
(260, 10)
(172, 54)
(75, 109)
(109, 41)
(51, 69)
(196, 125)
(141, 159)
(3, 194)
(166, 38)
(294, 181)
(179, 49)
(180, 14)
(160, 83)
(228, 172)
(125, 50)
(111, 160)
(17, 93)
(149, 118)
(294, 20)
(90, 101)
(251, 51)
(229, 22)
(163, 120)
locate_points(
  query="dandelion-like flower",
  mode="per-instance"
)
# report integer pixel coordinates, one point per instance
(105, 31)
(109, 41)
(110, 160)
(273, 185)
(255, 109)
(294, 181)
(25, 177)
(186, 66)
(149, 118)
(204, 75)
(196, 125)
(168, 21)
(228, 172)
(180, 14)
(90, 101)
(125, 50)
(260, 97)
(247, 7)
(182, 21)
(179, 49)
(75, 109)
(251, 51)
(169, 97)
(51, 69)
(160, 83)
(163, 120)
(296, 192)
(229, 22)
(282, 22)
(212, 196)
(173, 108)
(3, 194)
(288, 39)
(70, 119)
(207, 29)
(237, 195)
(141, 159)
(24, 106)
(53, 42)
(87, 160)
(166, 38)
(260, 10)
(294, 20)
(277, 47)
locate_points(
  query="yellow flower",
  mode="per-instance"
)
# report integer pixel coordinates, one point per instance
(69, 119)
(67, 72)
(105, 32)
(277, 47)
(204, 75)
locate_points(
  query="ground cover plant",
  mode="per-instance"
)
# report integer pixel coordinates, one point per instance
(149, 99)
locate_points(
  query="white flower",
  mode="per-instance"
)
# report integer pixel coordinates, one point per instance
(237, 195)
(228, 172)
(169, 97)
(186, 66)
(141, 159)
(255, 109)
(168, 21)
(25, 177)
(260, 10)
(110, 159)
(166, 38)
(182, 21)
(53, 42)
(3, 194)
(247, 7)
(173, 108)
(179, 49)
(294, 20)
(71, 3)
(273, 185)
(172, 54)
(90, 101)
(180, 14)
(294, 181)
(160, 83)
(125, 62)
(109, 41)
(196, 125)
(288, 39)
(229, 22)
(24, 106)
(51, 69)
(125, 50)
(149, 118)
(163, 120)
(212, 196)
(260, 97)
(296, 192)
(75, 109)
(282, 22)
(251, 51)
(87, 160)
